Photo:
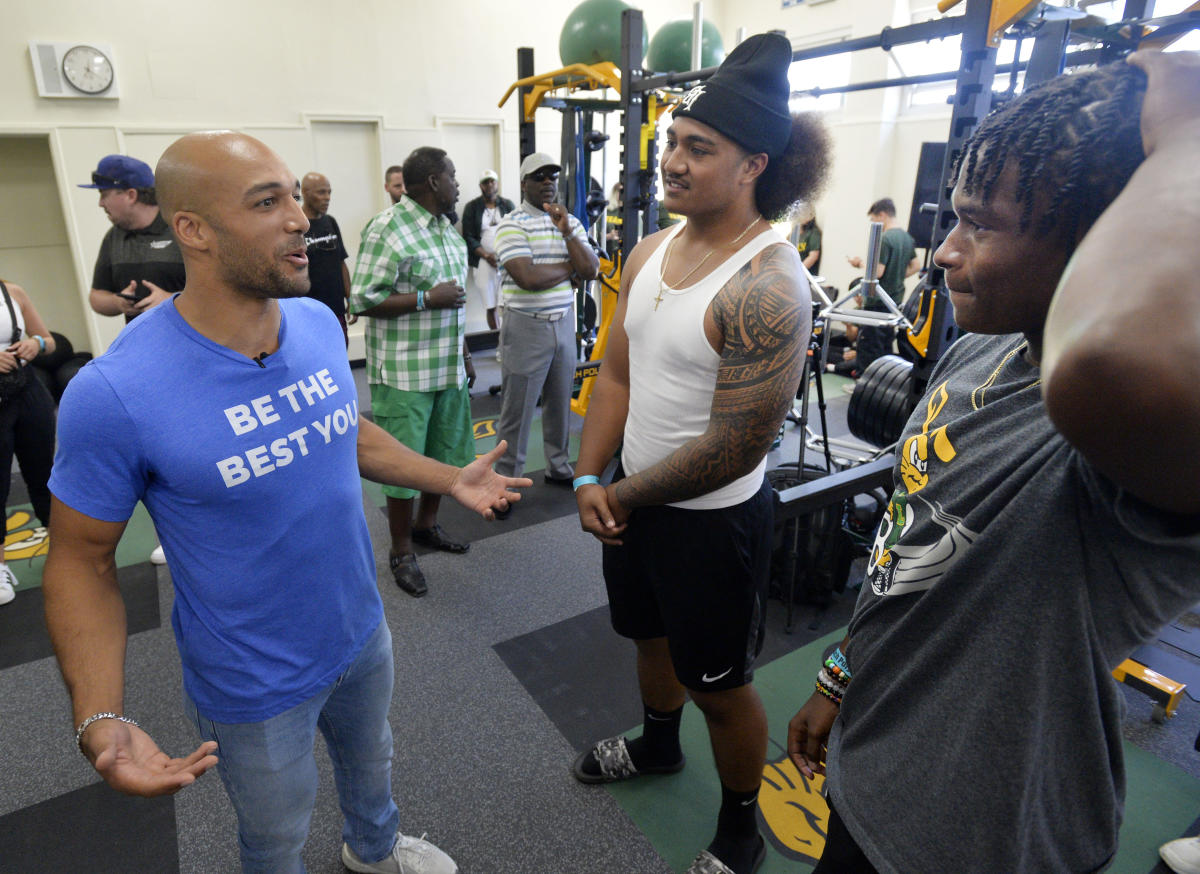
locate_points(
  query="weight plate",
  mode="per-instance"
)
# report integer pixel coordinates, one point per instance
(880, 399)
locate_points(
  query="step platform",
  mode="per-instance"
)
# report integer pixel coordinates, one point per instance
(1165, 692)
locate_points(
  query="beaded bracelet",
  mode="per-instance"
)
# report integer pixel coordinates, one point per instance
(837, 685)
(837, 673)
(831, 695)
(83, 726)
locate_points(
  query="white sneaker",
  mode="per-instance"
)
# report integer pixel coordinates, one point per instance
(8, 584)
(408, 856)
(158, 556)
(1182, 856)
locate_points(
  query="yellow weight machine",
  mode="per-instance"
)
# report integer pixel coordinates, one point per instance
(550, 88)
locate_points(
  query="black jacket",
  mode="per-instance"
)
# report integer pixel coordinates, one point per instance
(472, 224)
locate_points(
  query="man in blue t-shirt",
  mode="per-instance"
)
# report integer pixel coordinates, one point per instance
(244, 442)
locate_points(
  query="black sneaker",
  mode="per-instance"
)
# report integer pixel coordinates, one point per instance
(407, 574)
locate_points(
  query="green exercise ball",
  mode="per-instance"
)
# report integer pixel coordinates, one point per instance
(592, 33)
(671, 48)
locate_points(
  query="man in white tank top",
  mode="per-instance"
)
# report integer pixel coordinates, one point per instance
(702, 366)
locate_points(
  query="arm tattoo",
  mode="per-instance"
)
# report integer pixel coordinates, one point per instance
(765, 316)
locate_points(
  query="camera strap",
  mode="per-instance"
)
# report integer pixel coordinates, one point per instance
(12, 314)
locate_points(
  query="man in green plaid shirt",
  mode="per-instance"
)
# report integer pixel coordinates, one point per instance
(408, 281)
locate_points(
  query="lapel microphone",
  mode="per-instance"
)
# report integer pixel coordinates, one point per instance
(259, 359)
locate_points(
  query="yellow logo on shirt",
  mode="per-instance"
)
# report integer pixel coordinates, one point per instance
(914, 456)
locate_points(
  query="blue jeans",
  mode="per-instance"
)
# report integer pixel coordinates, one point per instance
(271, 776)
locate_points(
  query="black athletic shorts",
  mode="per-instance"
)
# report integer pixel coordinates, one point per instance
(698, 578)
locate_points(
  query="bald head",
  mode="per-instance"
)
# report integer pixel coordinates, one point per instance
(203, 172)
(316, 192)
(230, 202)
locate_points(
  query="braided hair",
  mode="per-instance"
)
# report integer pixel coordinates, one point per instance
(1076, 137)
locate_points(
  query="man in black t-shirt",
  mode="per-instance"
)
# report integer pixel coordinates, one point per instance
(326, 252)
(139, 265)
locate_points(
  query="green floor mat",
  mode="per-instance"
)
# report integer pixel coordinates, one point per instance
(26, 544)
(678, 812)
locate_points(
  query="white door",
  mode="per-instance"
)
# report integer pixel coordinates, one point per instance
(347, 152)
(34, 250)
(474, 148)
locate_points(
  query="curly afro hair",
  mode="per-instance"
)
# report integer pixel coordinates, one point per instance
(800, 173)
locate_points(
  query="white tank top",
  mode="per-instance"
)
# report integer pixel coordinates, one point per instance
(673, 368)
(6, 325)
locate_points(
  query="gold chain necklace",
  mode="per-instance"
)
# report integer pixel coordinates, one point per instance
(662, 269)
(981, 390)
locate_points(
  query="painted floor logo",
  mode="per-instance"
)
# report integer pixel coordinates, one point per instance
(793, 815)
(23, 540)
(483, 429)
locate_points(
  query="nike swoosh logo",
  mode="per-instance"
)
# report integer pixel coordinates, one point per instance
(705, 678)
(658, 718)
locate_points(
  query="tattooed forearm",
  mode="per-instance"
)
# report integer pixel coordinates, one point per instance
(765, 316)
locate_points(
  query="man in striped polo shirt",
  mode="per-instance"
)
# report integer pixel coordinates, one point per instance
(408, 281)
(544, 250)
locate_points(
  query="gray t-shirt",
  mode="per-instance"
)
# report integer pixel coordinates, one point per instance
(982, 727)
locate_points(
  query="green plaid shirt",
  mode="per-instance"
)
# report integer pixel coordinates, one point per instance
(407, 249)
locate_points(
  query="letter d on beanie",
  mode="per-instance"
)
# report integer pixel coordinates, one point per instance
(747, 98)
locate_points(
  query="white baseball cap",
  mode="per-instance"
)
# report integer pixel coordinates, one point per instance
(536, 162)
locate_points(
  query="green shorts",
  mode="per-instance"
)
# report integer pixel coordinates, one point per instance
(436, 424)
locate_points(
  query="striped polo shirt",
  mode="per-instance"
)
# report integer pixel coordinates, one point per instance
(528, 232)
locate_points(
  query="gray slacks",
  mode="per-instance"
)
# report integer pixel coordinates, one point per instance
(536, 357)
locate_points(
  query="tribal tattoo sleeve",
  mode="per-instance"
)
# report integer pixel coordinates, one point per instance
(764, 314)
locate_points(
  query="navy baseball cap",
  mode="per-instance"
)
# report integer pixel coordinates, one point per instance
(121, 171)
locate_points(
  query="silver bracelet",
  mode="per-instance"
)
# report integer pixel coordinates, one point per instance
(83, 726)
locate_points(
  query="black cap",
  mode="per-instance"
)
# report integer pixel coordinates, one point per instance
(747, 98)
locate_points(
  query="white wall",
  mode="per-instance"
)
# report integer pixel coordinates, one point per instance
(269, 66)
(876, 144)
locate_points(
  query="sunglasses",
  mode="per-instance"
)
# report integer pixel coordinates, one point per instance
(544, 176)
(108, 181)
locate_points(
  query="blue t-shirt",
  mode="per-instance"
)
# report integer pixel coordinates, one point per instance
(251, 476)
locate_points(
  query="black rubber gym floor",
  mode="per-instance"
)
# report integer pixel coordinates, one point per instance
(504, 671)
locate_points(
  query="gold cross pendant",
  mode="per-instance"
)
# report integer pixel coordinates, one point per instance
(658, 299)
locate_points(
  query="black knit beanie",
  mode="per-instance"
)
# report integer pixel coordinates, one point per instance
(747, 98)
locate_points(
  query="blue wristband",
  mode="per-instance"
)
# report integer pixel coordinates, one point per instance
(420, 300)
(41, 341)
(584, 481)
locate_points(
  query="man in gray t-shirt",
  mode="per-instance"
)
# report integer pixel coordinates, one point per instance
(1032, 541)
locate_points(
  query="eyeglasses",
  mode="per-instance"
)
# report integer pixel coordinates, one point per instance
(544, 176)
